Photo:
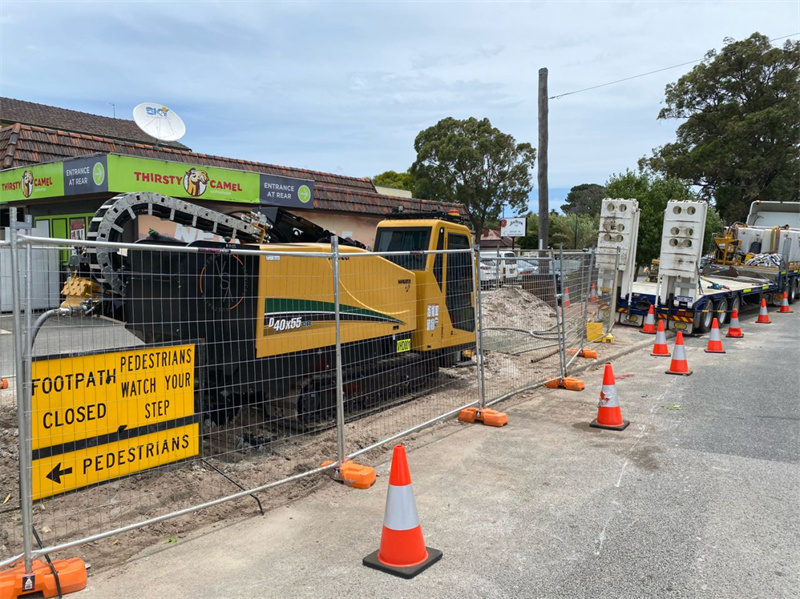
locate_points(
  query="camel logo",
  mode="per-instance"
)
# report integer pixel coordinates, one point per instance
(195, 182)
(27, 183)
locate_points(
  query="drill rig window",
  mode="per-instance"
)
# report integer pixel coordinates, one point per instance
(411, 239)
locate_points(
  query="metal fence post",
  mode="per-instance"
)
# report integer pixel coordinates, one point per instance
(476, 289)
(613, 311)
(340, 441)
(23, 411)
(586, 296)
(562, 336)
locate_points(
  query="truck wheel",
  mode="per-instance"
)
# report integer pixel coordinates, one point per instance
(736, 304)
(792, 291)
(721, 310)
(701, 322)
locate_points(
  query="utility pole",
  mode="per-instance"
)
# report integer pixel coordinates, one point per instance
(544, 199)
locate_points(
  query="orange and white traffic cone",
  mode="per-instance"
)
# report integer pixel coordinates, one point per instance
(715, 341)
(565, 302)
(785, 304)
(679, 364)
(735, 328)
(403, 551)
(763, 315)
(593, 293)
(609, 414)
(660, 347)
(649, 327)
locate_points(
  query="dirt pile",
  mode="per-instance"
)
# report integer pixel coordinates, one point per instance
(515, 308)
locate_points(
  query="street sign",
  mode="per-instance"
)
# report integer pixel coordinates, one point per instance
(92, 395)
(101, 416)
(84, 466)
(513, 227)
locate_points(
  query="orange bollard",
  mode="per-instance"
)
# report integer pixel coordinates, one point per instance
(735, 328)
(593, 293)
(403, 551)
(609, 414)
(649, 327)
(785, 304)
(679, 364)
(660, 347)
(763, 314)
(715, 341)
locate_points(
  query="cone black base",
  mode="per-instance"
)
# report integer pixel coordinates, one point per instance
(372, 561)
(734, 336)
(680, 373)
(661, 355)
(621, 427)
(715, 352)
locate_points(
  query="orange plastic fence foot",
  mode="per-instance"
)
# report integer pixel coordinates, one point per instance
(352, 474)
(18, 583)
(488, 417)
(568, 383)
(582, 353)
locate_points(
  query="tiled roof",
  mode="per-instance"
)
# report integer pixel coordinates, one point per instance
(21, 145)
(29, 113)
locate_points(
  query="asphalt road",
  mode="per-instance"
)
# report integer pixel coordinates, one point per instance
(697, 498)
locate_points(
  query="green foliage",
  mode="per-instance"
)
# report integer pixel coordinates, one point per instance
(653, 192)
(531, 239)
(740, 139)
(475, 164)
(714, 226)
(574, 231)
(585, 198)
(395, 180)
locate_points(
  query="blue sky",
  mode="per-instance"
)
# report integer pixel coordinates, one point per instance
(345, 87)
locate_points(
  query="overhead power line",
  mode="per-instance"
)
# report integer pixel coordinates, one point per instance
(675, 66)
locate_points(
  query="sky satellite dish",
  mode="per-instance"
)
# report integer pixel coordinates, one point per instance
(159, 121)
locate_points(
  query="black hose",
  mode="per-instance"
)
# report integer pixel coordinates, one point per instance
(49, 562)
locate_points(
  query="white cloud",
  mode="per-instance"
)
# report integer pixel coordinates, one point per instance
(345, 87)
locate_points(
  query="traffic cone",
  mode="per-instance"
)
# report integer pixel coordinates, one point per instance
(785, 305)
(565, 302)
(660, 348)
(609, 414)
(403, 551)
(649, 327)
(593, 294)
(715, 341)
(679, 364)
(734, 328)
(763, 315)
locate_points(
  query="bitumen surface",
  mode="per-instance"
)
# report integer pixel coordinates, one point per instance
(698, 497)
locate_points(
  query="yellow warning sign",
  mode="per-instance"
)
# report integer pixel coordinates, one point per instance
(89, 396)
(88, 465)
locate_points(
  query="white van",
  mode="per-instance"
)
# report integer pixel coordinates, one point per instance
(498, 266)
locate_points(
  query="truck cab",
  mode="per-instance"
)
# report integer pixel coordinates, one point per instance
(445, 302)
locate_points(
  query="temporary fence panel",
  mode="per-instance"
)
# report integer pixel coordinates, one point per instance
(575, 268)
(601, 312)
(175, 378)
(520, 329)
(428, 369)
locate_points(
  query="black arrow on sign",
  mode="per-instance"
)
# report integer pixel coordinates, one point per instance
(56, 473)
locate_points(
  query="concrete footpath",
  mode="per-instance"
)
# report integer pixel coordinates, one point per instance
(698, 497)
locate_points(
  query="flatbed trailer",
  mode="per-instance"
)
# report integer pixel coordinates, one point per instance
(687, 295)
(717, 296)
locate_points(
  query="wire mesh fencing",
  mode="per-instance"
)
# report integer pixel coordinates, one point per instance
(604, 276)
(158, 378)
(520, 328)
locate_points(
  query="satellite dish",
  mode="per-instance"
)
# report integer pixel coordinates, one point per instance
(159, 121)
